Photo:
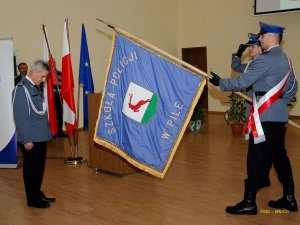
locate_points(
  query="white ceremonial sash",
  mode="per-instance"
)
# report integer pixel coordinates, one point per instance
(254, 125)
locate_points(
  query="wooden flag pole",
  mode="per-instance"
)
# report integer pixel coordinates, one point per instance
(49, 52)
(250, 100)
(46, 38)
(167, 55)
(75, 143)
(57, 86)
(158, 50)
(69, 159)
(74, 159)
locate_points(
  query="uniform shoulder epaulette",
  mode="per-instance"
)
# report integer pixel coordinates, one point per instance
(21, 83)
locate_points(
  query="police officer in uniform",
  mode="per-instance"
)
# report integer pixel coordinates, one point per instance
(253, 43)
(274, 84)
(254, 50)
(33, 132)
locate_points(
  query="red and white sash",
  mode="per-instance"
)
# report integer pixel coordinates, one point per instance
(253, 123)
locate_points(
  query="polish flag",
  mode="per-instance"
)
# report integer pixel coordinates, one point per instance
(48, 87)
(67, 86)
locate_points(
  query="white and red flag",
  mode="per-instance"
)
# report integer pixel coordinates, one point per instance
(48, 86)
(67, 86)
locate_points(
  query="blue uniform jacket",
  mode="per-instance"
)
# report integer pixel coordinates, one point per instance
(263, 73)
(236, 64)
(30, 126)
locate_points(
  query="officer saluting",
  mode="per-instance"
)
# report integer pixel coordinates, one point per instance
(254, 50)
(274, 84)
(33, 132)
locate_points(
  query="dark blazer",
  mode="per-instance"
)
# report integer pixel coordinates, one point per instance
(18, 79)
(30, 126)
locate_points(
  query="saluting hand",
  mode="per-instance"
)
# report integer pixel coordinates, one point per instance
(241, 49)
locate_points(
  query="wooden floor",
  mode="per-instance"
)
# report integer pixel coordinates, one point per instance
(206, 176)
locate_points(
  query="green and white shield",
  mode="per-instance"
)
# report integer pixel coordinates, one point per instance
(139, 103)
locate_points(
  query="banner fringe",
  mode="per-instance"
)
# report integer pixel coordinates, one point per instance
(119, 151)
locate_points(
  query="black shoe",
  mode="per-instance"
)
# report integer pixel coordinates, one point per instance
(40, 205)
(264, 183)
(286, 202)
(242, 208)
(246, 207)
(48, 200)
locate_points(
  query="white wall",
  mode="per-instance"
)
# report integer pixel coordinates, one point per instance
(168, 24)
(222, 26)
(153, 21)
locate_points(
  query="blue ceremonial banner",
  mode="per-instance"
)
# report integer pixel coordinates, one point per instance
(146, 105)
(85, 76)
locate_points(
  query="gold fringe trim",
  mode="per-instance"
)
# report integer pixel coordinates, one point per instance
(128, 158)
(106, 78)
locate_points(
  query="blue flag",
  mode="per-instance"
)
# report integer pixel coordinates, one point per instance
(85, 76)
(147, 103)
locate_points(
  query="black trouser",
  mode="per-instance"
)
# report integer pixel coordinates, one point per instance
(59, 112)
(33, 171)
(273, 147)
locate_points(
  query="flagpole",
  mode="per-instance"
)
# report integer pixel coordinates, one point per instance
(54, 75)
(74, 159)
(158, 50)
(146, 44)
(74, 153)
(46, 38)
(250, 100)
(167, 55)
(78, 108)
(69, 160)
(56, 83)
(50, 53)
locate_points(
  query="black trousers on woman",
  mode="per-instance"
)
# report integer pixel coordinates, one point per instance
(274, 148)
(33, 171)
